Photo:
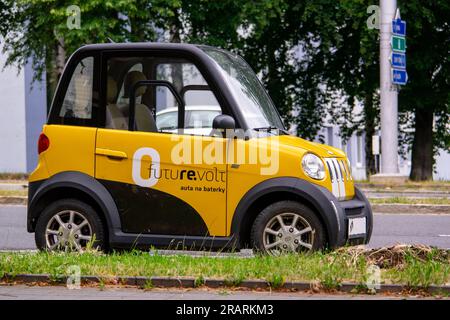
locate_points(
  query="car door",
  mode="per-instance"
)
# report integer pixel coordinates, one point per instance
(158, 176)
(71, 128)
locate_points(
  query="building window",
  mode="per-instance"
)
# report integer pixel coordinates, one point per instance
(359, 151)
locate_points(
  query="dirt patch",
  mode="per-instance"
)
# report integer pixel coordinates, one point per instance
(13, 200)
(396, 256)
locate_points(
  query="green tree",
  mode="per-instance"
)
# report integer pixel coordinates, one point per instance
(352, 66)
(427, 94)
(38, 29)
(342, 55)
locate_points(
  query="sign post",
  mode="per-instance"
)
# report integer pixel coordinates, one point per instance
(398, 56)
(398, 60)
(392, 74)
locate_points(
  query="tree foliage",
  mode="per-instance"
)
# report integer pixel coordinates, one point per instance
(427, 94)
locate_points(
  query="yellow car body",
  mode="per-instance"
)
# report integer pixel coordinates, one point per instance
(151, 188)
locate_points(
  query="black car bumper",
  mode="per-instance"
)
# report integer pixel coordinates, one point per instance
(356, 219)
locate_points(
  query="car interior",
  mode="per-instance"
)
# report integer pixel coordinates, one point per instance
(152, 101)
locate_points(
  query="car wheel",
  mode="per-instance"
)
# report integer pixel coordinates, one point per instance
(69, 225)
(287, 227)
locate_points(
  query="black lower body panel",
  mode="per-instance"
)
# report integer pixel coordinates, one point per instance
(144, 241)
(149, 211)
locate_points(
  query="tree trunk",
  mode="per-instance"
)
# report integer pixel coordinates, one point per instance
(60, 58)
(369, 121)
(54, 69)
(175, 36)
(422, 149)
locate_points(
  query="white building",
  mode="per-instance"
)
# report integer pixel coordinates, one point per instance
(355, 149)
(23, 108)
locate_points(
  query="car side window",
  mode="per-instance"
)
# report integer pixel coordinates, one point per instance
(118, 86)
(166, 110)
(77, 102)
(156, 106)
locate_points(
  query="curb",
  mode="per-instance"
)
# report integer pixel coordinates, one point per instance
(173, 282)
(13, 185)
(411, 208)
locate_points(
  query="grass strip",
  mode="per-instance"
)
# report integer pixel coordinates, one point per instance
(328, 269)
(13, 193)
(404, 200)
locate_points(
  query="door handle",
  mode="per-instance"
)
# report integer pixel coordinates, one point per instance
(111, 153)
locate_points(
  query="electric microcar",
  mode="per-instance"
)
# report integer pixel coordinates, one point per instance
(179, 146)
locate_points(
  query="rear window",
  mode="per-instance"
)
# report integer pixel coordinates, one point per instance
(77, 102)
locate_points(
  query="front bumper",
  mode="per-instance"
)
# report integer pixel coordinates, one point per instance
(351, 214)
(356, 209)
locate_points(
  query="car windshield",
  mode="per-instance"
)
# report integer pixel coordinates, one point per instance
(254, 102)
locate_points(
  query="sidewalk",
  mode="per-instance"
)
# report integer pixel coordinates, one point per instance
(23, 292)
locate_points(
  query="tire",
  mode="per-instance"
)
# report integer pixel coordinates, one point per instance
(308, 234)
(74, 233)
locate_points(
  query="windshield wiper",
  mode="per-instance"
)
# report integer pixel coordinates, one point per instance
(270, 129)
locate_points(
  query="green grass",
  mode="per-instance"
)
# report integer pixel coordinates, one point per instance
(13, 193)
(419, 274)
(403, 200)
(328, 269)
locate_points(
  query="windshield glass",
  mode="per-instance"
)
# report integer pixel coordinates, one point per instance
(254, 102)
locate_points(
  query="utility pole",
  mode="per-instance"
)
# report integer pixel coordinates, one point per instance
(389, 98)
(388, 92)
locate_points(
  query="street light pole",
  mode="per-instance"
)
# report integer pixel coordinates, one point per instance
(388, 93)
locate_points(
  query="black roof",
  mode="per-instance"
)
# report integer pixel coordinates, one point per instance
(142, 46)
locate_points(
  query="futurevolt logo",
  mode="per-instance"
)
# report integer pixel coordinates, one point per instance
(156, 173)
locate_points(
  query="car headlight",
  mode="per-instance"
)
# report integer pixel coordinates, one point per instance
(313, 166)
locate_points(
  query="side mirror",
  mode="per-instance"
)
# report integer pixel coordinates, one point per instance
(224, 122)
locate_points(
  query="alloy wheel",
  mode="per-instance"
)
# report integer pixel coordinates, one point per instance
(288, 232)
(68, 230)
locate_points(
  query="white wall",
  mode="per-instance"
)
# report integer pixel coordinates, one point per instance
(356, 154)
(35, 115)
(442, 166)
(12, 119)
(23, 111)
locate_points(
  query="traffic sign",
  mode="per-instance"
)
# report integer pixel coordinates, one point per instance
(399, 27)
(398, 60)
(398, 43)
(399, 76)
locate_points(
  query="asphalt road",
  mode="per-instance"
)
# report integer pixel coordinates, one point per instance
(389, 229)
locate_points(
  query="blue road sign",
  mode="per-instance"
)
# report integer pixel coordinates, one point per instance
(398, 60)
(399, 76)
(399, 27)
